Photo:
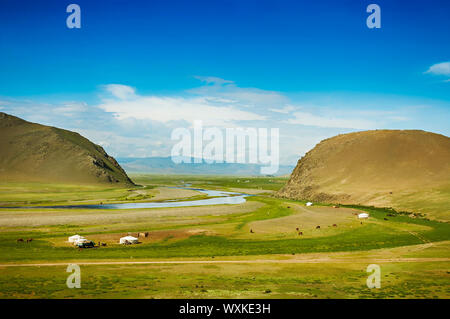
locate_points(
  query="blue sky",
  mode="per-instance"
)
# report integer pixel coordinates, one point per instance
(135, 70)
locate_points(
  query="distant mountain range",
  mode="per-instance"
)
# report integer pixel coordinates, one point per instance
(165, 165)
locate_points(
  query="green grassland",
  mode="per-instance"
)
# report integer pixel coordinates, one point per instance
(432, 201)
(264, 228)
(29, 194)
(34, 194)
(212, 182)
(261, 280)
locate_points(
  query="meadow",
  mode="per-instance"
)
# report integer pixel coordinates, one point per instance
(255, 248)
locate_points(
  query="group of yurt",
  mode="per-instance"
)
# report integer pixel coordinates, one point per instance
(78, 240)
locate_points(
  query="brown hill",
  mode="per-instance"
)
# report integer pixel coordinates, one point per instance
(32, 152)
(405, 169)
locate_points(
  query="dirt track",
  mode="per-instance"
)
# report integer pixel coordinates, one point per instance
(256, 261)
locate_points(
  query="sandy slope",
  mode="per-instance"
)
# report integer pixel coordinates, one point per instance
(37, 153)
(380, 168)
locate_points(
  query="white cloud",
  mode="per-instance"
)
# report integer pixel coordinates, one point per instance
(117, 144)
(309, 119)
(166, 109)
(212, 80)
(284, 110)
(244, 97)
(439, 69)
(120, 91)
(70, 108)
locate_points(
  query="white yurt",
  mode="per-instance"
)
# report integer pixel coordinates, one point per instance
(75, 238)
(130, 239)
(309, 204)
(363, 215)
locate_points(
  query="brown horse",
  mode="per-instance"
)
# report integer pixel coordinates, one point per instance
(317, 227)
(334, 225)
(300, 233)
(145, 235)
(20, 240)
(29, 240)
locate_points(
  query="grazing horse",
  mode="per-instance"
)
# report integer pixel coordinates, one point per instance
(317, 227)
(300, 233)
(29, 240)
(20, 240)
(334, 225)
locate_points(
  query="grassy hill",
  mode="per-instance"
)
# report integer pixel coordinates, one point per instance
(37, 153)
(404, 169)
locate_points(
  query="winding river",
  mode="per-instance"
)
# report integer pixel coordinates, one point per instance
(217, 198)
